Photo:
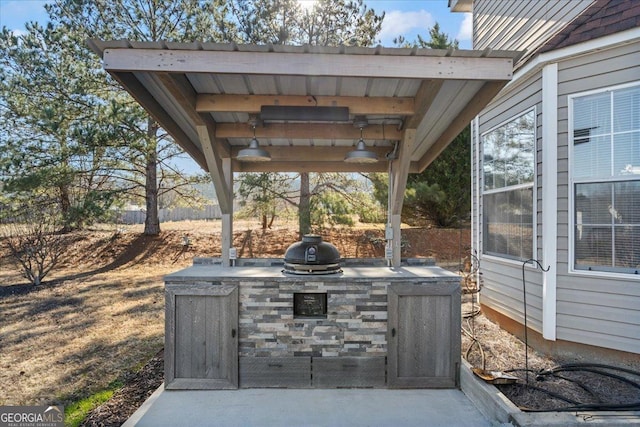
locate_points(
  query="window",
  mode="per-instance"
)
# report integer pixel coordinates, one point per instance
(508, 170)
(605, 173)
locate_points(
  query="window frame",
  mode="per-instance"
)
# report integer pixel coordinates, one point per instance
(504, 258)
(601, 271)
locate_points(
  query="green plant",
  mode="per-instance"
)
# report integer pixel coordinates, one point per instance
(76, 412)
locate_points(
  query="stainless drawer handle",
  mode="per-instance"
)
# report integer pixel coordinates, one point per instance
(275, 365)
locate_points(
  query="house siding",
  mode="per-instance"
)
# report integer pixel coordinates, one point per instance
(600, 310)
(596, 310)
(503, 292)
(502, 279)
(521, 25)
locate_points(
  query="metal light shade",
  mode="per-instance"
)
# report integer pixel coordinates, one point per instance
(361, 154)
(254, 153)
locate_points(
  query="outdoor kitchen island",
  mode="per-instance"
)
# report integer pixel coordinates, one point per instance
(367, 325)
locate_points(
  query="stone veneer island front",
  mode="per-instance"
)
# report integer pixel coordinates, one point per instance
(251, 325)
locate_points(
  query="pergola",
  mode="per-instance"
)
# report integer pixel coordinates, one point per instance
(309, 106)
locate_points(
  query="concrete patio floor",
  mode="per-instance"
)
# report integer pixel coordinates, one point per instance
(479, 405)
(308, 407)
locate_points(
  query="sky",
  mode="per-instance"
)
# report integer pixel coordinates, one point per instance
(402, 17)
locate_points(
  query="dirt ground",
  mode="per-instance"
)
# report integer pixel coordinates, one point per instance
(100, 315)
(553, 383)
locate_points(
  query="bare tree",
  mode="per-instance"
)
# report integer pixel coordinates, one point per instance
(35, 246)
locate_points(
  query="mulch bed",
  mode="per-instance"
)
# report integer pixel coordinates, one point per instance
(138, 387)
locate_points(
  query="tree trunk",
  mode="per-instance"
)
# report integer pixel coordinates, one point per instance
(304, 208)
(152, 219)
(65, 208)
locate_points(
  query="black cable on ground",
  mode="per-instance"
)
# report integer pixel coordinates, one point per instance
(607, 374)
(594, 368)
(580, 384)
(585, 367)
(588, 407)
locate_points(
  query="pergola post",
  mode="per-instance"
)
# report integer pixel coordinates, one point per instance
(227, 217)
(220, 169)
(398, 172)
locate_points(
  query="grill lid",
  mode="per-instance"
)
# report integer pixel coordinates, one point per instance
(312, 256)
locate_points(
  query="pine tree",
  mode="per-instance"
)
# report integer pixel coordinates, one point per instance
(184, 20)
(441, 194)
(52, 152)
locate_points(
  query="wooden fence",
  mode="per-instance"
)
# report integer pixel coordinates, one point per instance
(174, 214)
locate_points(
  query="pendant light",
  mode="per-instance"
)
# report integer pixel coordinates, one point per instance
(361, 154)
(254, 153)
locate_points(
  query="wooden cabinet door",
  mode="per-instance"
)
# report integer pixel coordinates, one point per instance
(423, 335)
(201, 340)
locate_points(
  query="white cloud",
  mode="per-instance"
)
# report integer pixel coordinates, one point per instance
(397, 23)
(19, 32)
(465, 33)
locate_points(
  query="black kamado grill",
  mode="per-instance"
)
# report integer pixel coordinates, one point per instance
(312, 256)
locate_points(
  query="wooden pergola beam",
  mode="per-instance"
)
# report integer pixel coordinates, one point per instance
(210, 103)
(215, 166)
(307, 64)
(424, 98)
(483, 96)
(401, 170)
(310, 166)
(146, 99)
(318, 154)
(185, 96)
(309, 131)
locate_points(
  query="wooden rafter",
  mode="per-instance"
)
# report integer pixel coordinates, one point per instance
(202, 94)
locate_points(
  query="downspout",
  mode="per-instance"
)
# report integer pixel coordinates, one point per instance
(549, 197)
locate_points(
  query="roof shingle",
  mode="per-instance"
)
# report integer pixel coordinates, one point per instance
(602, 18)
